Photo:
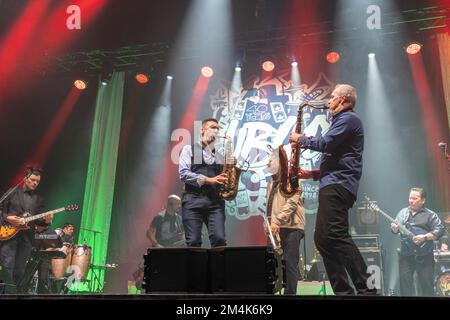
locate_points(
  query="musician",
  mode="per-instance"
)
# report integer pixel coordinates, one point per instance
(340, 171)
(201, 171)
(287, 219)
(66, 233)
(166, 229)
(428, 227)
(15, 252)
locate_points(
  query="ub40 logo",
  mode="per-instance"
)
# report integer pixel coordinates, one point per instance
(264, 113)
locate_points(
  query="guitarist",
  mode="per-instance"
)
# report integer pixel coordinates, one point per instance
(426, 226)
(15, 252)
(166, 229)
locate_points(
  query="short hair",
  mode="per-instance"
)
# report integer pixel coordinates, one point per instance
(204, 122)
(423, 195)
(67, 224)
(348, 91)
(33, 170)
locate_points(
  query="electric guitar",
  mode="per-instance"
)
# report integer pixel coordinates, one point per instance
(8, 231)
(407, 231)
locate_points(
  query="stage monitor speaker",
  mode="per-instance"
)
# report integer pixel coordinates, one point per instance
(374, 262)
(242, 269)
(176, 270)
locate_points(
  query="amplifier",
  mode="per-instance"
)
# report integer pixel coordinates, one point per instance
(367, 241)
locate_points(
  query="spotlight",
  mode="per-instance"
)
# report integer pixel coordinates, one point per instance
(80, 84)
(237, 69)
(294, 64)
(268, 65)
(371, 55)
(333, 57)
(207, 72)
(413, 48)
(141, 78)
(169, 77)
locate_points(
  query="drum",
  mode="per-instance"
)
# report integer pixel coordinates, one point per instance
(81, 260)
(60, 265)
(443, 284)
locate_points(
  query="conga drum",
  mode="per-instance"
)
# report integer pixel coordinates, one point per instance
(81, 260)
(60, 265)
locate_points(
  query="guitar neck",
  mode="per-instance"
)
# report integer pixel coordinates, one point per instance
(41, 215)
(400, 226)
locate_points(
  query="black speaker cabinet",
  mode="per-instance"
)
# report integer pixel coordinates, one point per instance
(176, 270)
(242, 269)
(367, 217)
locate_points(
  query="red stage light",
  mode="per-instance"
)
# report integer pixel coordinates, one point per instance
(413, 48)
(333, 57)
(141, 78)
(80, 84)
(207, 72)
(268, 66)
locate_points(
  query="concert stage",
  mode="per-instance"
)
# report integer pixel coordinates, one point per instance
(116, 117)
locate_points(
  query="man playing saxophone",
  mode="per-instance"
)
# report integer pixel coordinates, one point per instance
(287, 220)
(340, 171)
(201, 170)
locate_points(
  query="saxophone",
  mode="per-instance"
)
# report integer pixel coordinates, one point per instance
(288, 170)
(229, 189)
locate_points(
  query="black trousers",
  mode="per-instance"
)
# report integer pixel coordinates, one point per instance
(14, 254)
(290, 242)
(339, 252)
(197, 209)
(424, 267)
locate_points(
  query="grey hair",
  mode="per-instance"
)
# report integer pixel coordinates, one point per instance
(348, 91)
(173, 196)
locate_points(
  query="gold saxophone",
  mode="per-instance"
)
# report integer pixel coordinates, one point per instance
(288, 170)
(229, 189)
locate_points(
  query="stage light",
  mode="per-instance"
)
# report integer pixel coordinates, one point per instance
(413, 48)
(294, 64)
(141, 78)
(169, 77)
(207, 72)
(333, 57)
(80, 84)
(268, 65)
(238, 69)
(371, 55)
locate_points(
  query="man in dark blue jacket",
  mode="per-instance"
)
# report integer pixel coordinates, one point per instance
(340, 171)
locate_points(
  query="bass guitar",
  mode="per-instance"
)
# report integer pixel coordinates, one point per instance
(8, 231)
(407, 231)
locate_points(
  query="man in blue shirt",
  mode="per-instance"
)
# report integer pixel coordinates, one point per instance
(340, 171)
(201, 170)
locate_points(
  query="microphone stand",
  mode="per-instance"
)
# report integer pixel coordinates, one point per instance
(95, 276)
